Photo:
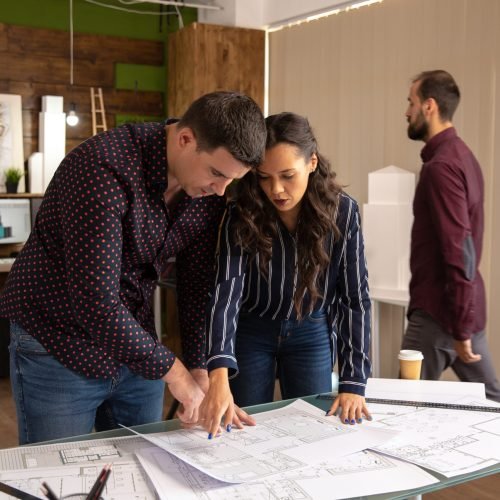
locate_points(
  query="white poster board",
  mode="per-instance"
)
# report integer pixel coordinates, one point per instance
(11, 137)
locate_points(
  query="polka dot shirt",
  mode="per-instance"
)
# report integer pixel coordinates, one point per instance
(84, 282)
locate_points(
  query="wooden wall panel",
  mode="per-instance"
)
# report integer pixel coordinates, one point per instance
(204, 58)
(54, 70)
(56, 43)
(116, 100)
(35, 62)
(3, 37)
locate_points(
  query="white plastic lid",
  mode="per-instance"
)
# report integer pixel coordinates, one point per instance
(409, 355)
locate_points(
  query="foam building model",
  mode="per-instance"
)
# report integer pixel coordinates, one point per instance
(387, 221)
(52, 137)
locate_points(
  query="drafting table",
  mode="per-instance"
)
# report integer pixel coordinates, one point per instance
(417, 390)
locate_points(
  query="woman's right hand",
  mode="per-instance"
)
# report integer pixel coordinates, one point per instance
(219, 404)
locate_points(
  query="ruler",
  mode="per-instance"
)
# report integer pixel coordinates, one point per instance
(421, 404)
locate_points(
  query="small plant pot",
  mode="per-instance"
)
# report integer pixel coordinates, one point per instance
(11, 187)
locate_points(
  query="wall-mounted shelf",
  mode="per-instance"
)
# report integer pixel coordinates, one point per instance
(21, 195)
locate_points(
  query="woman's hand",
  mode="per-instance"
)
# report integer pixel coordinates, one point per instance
(352, 406)
(219, 404)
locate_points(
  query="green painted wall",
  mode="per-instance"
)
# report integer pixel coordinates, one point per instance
(140, 77)
(92, 18)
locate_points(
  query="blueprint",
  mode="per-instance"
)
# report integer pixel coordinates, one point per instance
(286, 439)
(359, 474)
(294, 453)
(73, 467)
(451, 442)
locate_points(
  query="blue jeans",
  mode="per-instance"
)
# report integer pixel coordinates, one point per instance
(54, 402)
(299, 353)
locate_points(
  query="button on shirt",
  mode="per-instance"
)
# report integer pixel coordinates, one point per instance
(344, 290)
(446, 238)
(83, 283)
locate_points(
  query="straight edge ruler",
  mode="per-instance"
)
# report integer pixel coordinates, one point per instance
(421, 404)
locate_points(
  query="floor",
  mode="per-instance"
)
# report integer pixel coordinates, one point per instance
(482, 489)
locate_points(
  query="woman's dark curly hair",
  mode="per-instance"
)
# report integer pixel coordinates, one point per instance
(256, 224)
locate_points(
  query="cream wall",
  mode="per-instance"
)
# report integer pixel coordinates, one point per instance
(350, 74)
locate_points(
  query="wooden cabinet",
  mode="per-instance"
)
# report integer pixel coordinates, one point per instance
(205, 57)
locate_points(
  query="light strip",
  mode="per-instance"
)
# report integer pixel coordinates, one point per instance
(344, 7)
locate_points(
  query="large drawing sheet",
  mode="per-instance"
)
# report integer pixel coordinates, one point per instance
(359, 474)
(73, 467)
(451, 442)
(286, 439)
(436, 391)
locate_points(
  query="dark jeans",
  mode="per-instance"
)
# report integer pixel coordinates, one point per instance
(299, 353)
(54, 402)
(425, 335)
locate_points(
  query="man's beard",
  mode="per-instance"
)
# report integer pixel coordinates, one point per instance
(418, 131)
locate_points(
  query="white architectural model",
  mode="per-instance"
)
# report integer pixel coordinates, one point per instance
(52, 136)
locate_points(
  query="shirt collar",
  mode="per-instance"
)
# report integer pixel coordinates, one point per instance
(429, 150)
(155, 164)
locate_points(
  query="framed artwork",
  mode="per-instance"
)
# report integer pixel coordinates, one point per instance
(11, 137)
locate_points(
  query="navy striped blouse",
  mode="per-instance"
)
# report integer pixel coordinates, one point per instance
(344, 286)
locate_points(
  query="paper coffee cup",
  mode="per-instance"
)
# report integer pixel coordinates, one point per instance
(410, 364)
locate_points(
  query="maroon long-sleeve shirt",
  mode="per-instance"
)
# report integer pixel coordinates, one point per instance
(446, 238)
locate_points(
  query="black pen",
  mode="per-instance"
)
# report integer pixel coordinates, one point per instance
(47, 491)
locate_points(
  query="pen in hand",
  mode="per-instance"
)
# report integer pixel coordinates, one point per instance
(47, 491)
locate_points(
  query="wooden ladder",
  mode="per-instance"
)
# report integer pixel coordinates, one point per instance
(97, 104)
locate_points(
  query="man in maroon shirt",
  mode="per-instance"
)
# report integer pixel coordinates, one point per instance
(80, 292)
(447, 311)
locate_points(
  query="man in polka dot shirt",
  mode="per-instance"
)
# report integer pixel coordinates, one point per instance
(80, 292)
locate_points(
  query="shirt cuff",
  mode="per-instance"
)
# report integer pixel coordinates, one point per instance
(156, 365)
(223, 361)
(353, 386)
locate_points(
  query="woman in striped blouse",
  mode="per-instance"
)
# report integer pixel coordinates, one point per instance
(291, 290)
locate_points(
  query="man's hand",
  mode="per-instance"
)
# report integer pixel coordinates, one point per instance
(201, 377)
(464, 351)
(185, 389)
(219, 403)
(353, 407)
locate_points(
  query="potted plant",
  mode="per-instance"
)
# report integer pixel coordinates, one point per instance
(12, 178)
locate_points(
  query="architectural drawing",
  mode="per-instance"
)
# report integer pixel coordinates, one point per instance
(281, 444)
(283, 440)
(73, 467)
(451, 442)
(359, 474)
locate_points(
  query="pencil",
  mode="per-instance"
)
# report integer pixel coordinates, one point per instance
(103, 483)
(97, 483)
(47, 491)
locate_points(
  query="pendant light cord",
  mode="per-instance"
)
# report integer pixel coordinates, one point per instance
(71, 42)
